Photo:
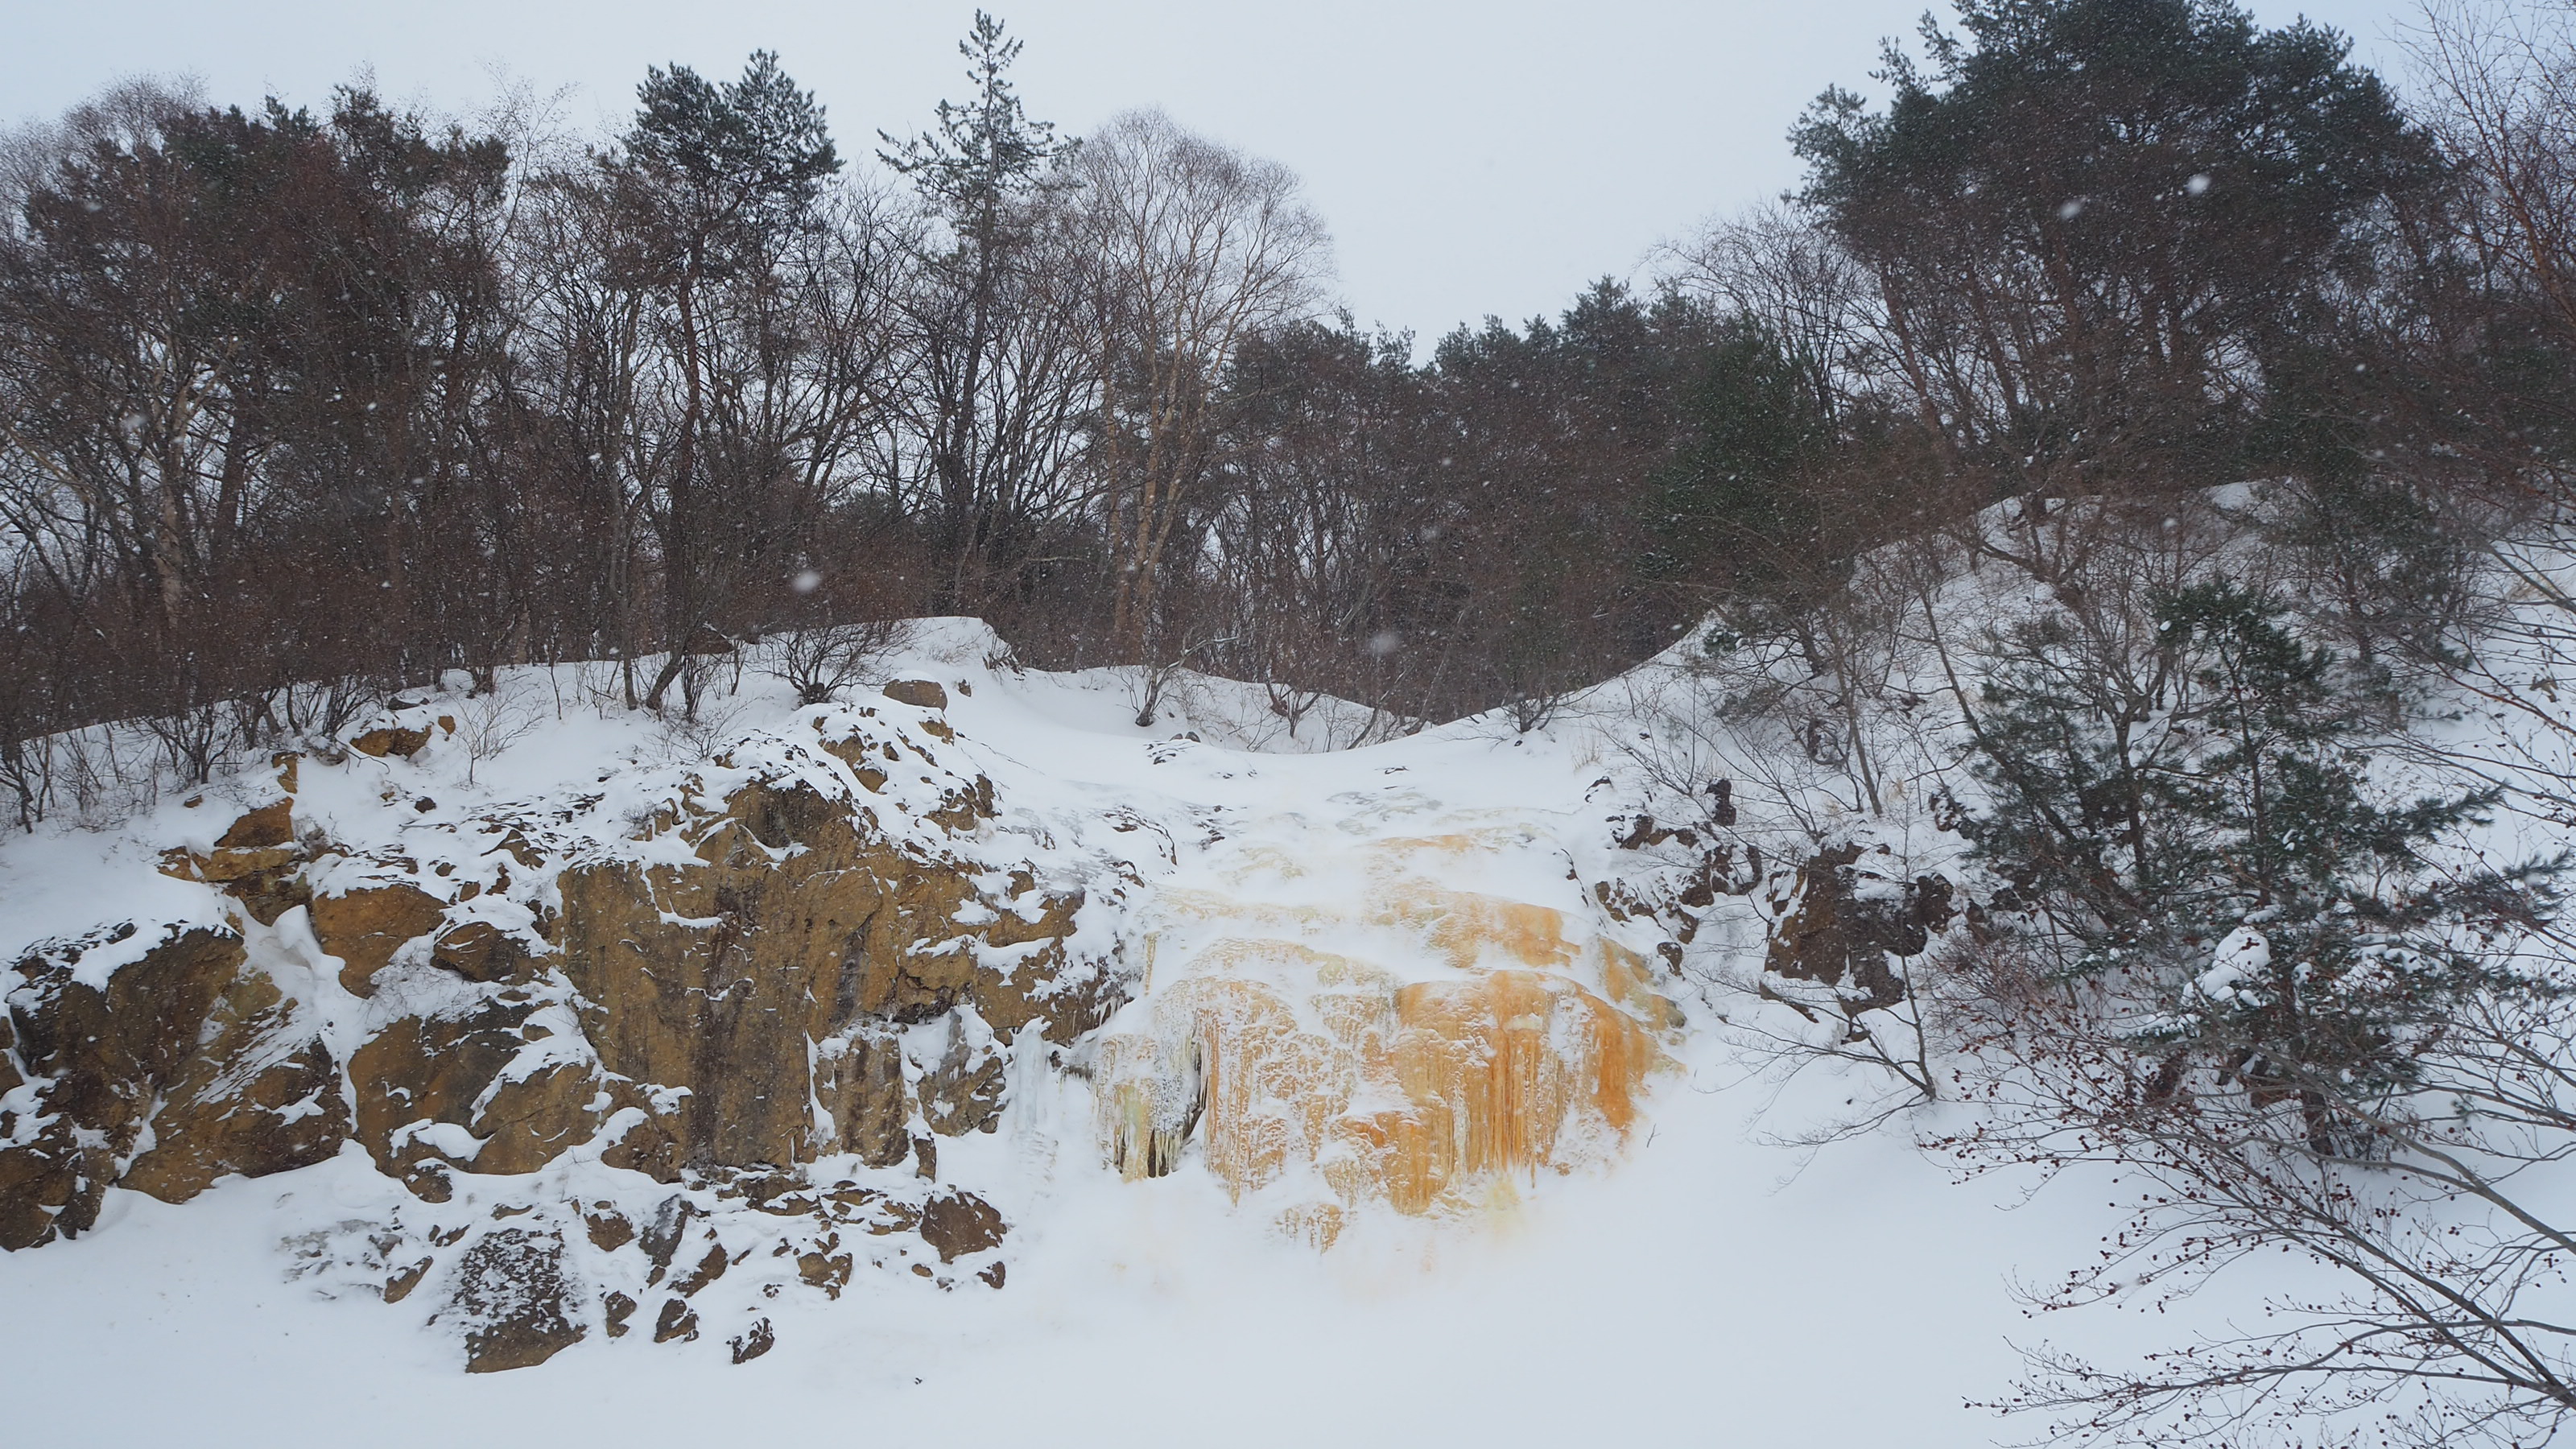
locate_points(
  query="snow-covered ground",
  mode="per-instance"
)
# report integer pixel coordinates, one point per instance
(1701, 1285)
(1704, 1293)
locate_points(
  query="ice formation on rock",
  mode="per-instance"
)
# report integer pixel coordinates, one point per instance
(1404, 1020)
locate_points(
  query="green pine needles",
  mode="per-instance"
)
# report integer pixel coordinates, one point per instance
(2192, 826)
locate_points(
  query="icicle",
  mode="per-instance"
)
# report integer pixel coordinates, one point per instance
(1524, 1051)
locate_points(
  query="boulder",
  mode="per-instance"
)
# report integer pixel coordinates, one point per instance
(957, 1223)
(1846, 918)
(480, 951)
(511, 1301)
(760, 1338)
(920, 693)
(364, 928)
(391, 740)
(676, 1320)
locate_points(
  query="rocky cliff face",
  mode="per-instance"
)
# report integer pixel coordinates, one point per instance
(635, 1054)
(749, 986)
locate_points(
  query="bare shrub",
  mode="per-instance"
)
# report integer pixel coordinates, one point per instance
(489, 721)
(819, 663)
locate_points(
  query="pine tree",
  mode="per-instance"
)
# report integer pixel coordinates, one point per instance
(2096, 224)
(2194, 831)
(984, 151)
(991, 400)
(1735, 501)
(713, 182)
(726, 168)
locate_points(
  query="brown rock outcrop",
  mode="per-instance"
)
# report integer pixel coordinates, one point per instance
(464, 1071)
(364, 927)
(512, 1302)
(108, 1054)
(833, 963)
(1847, 919)
(258, 1097)
(961, 1092)
(858, 1078)
(798, 924)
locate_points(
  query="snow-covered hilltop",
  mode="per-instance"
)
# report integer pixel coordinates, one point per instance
(645, 1032)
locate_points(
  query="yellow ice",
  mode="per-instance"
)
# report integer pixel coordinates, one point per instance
(1493, 1040)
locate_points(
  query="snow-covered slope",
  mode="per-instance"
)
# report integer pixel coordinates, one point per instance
(1271, 1095)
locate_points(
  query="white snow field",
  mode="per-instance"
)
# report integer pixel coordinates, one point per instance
(1691, 1281)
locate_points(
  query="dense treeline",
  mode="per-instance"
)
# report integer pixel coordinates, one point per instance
(295, 409)
(301, 408)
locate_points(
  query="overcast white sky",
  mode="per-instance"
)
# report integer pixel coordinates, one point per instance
(1471, 158)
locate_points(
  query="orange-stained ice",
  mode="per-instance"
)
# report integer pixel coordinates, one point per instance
(1486, 1044)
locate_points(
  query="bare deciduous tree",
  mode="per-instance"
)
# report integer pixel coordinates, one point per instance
(1195, 248)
